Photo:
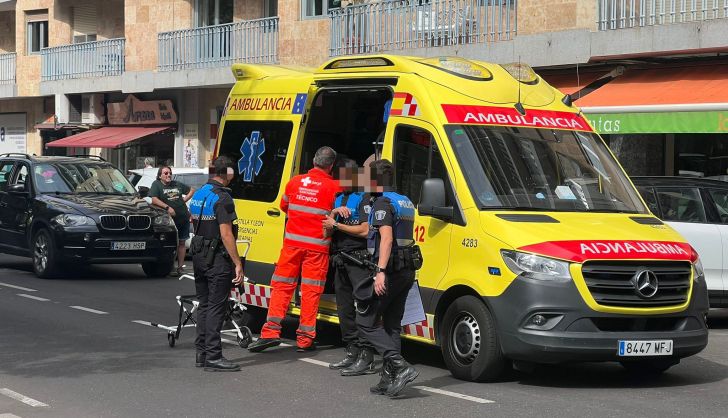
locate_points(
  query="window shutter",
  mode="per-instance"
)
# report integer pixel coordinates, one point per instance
(84, 19)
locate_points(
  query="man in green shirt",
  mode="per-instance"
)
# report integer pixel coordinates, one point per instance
(172, 196)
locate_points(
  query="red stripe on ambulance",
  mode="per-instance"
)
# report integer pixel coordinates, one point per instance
(580, 251)
(508, 116)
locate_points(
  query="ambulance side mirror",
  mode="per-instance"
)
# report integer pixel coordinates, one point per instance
(432, 200)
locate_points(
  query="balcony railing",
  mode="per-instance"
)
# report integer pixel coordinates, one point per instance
(408, 24)
(619, 14)
(87, 59)
(250, 41)
(7, 68)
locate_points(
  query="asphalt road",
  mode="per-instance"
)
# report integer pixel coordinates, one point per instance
(70, 348)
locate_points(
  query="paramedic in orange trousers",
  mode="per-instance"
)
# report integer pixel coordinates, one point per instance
(307, 201)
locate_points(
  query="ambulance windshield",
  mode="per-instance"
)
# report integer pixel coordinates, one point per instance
(541, 169)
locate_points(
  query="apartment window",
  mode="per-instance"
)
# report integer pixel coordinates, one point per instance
(318, 8)
(84, 23)
(213, 12)
(37, 31)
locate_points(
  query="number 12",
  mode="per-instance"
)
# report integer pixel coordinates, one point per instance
(420, 233)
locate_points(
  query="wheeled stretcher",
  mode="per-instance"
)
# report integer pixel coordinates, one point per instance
(235, 313)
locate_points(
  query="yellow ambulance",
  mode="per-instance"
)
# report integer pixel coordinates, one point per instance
(537, 248)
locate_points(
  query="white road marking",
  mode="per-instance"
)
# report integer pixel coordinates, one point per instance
(17, 287)
(23, 295)
(314, 361)
(81, 308)
(20, 397)
(453, 394)
(8, 416)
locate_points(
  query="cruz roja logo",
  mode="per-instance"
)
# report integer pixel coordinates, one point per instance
(251, 162)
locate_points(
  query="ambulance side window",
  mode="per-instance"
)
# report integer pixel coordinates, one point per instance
(416, 158)
(259, 149)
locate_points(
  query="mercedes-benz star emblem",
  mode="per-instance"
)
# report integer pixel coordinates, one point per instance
(645, 284)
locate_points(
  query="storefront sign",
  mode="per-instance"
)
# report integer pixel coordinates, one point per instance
(508, 116)
(133, 111)
(657, 123)
(12, 133)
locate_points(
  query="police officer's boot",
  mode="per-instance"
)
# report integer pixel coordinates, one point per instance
(352, 352)
(403, 373)
(385, 381)
(364, 364)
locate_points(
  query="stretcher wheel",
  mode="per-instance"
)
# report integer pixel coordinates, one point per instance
(247, 338)
(171, 339)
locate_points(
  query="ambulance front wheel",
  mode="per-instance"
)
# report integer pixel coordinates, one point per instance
(469, 342)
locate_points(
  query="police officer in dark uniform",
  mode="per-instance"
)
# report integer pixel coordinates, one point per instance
(348, 226)
(391, 243)
(216, 262)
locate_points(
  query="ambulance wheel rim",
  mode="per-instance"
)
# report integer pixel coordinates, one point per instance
(466, 339)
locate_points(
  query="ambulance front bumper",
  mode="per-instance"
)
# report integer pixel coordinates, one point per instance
(546, 322)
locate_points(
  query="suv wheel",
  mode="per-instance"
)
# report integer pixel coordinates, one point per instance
(44, 254)
(160, 268)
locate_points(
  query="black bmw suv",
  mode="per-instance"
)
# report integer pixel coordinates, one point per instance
(62, 210)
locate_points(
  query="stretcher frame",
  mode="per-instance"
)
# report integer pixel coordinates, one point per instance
(188, 305)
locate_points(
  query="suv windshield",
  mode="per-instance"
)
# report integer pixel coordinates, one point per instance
(81, 177)
(541, 169)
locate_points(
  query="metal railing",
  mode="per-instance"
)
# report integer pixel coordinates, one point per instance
(250, 41)
(408, 24)
(7, 68)
(86, 59)
(619, 14)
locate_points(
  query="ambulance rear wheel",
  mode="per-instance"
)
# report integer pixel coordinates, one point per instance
(469, 341)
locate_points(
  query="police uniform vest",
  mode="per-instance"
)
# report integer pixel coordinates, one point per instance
(341, 241)
(404, 253)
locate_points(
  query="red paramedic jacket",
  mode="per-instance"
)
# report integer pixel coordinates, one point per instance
(307, 200)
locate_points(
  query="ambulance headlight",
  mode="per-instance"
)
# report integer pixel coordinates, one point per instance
(536, 267)
(698, 273)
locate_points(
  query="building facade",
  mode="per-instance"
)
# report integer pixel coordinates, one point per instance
(131, 79)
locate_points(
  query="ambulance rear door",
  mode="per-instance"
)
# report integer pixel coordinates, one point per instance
(259, 133)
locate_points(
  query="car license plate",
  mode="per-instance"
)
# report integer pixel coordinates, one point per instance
(116, 245)
(631, 348)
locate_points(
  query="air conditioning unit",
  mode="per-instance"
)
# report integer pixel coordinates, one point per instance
(92, 108)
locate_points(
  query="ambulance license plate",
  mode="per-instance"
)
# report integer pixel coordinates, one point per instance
(633, 348)
(125, 245)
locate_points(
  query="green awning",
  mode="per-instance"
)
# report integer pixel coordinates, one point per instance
(710, 122)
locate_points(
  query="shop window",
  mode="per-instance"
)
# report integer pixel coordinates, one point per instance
(318, 8)
(681, 205)
(36, 31)
(5, 168)
(649, 195)
(416, 158)
(259, 150)
(720, 199)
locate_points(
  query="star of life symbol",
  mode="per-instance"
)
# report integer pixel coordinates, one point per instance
(251, 162)
(306, 181)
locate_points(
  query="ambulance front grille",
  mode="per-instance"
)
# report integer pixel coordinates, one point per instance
(612, 283)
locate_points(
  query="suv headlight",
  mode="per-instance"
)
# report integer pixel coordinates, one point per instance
(163, 220)
(73, 220)
(698, 273)
(536, 267)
